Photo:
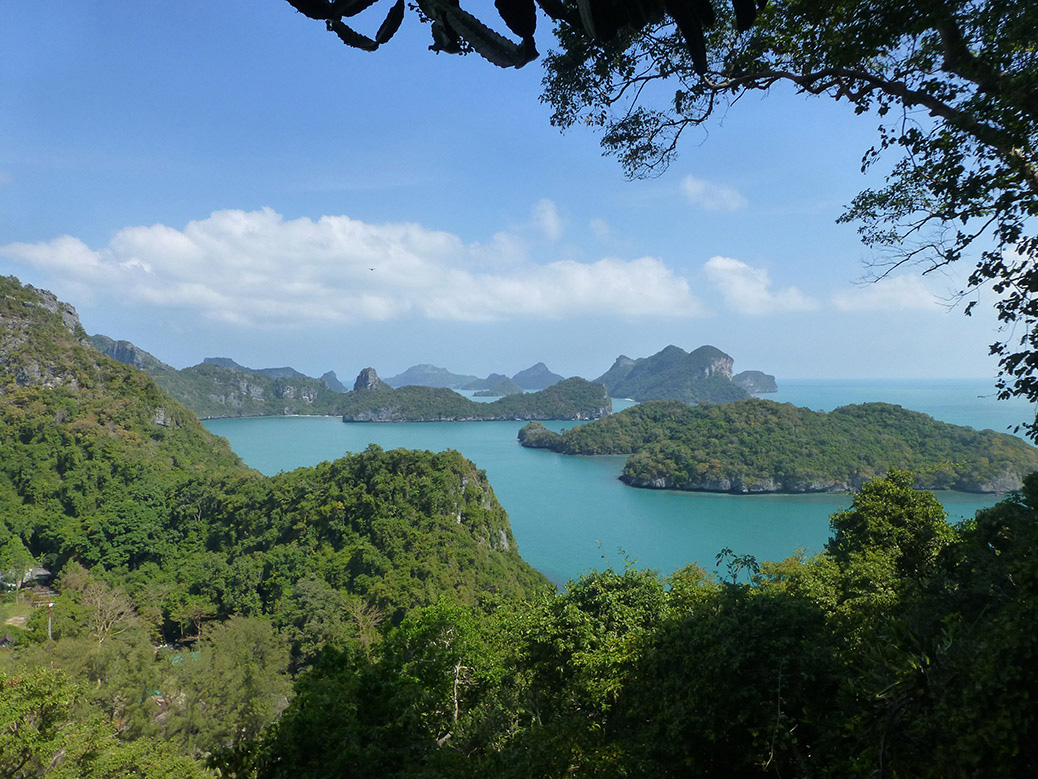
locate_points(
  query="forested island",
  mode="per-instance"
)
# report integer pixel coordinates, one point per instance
(759, 446)
(703, 375)
(372, 400)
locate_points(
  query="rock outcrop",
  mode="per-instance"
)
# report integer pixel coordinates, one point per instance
(536, 377)
(368, 380)
(331, 381)
(756, 382)
(701, 376)
(128, 354)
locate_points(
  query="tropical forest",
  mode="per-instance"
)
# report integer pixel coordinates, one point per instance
(170, 609)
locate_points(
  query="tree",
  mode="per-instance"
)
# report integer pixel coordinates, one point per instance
(15, 561)
(232, 687)
(110, 612)
(953, 81)
(456, 31)
(46, 729)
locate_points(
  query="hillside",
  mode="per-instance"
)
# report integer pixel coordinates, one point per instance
(220, 387)
(426, 375)
(499, 389)
(701, 376)
(129, 354)
(536, 377)
(218, 391)
(492, 380)
(99, 465)
(758, 446)
(755, 382)
(374, 401)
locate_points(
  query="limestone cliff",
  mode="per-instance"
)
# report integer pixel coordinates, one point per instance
(701, 376)
(756, 382)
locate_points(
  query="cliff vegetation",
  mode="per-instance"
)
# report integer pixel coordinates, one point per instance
(374, 401)
(761, 446)
(701, 376)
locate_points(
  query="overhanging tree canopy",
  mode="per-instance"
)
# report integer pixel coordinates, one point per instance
(954, 81)
(456, 31)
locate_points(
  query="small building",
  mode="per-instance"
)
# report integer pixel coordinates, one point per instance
(36, 574)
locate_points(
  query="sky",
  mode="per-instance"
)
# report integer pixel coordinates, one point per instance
(227, 179)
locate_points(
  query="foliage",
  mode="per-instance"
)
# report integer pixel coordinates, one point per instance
(572, 398)
(47, 731)
(218, 391)
(672, 373)
(816, 668)
(953, 83)
(763, 446)
(230, 688)
(499, 389)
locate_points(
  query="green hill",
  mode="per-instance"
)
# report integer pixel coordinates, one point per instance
(500, 389)
(217, 391)
(536, 377)
(375, 401)
(426, 375)
(701, 376)
(99, 465)
(220, 387)
(762, 446)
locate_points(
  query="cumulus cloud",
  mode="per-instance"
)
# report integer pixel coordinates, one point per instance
(712, 197)
(749, 290)
(546, 217)
(898, 293)
(256, 269)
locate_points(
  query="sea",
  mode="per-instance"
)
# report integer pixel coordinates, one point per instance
(571, 514)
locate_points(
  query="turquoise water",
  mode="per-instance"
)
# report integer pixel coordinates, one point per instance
(571, 514)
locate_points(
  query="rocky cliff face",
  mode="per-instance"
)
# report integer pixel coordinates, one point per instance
(707, 361)
(26, 316)
(128, 354)
(368, 380)
(739, 486)
(701, 376)
(331, 381)
(756, 382)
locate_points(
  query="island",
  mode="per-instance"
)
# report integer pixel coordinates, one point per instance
(536, 377)
(760, 446)
(755, 382)
(703, 375)
(499, 390)
(373, 400)
(427, 375)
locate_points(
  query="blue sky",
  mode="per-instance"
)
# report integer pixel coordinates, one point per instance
(227, 179)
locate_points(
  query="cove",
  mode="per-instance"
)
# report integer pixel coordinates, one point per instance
(571, 514)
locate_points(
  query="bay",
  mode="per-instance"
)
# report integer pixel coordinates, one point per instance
(571, 514)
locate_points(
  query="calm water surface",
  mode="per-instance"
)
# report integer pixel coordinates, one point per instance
(572, 514)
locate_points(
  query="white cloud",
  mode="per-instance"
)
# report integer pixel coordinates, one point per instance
(749, 290)
(898, 293)
(712, 197)
(546, 217)
(257, 269)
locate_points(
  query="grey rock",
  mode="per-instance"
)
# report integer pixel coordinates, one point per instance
(368, 380)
